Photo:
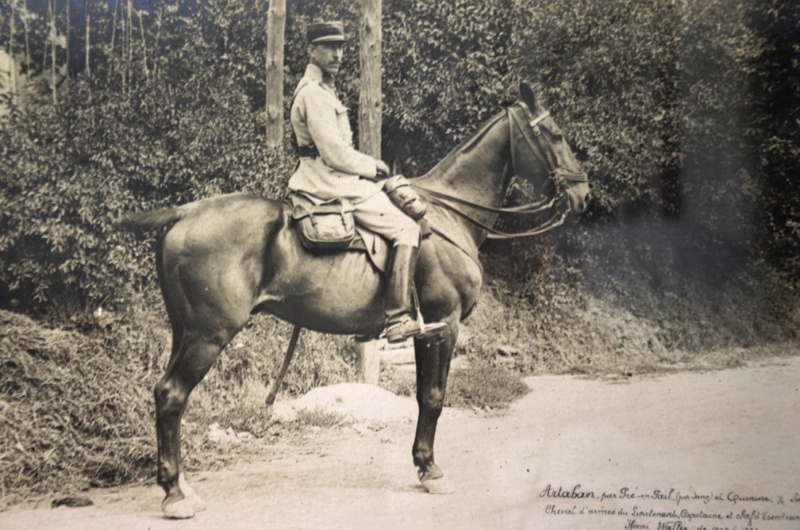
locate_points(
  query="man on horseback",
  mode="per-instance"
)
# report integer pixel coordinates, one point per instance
(331, 168)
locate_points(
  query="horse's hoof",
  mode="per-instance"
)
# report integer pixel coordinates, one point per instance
(434, 481)
(182, 509)
(438, 486)
(189, 494)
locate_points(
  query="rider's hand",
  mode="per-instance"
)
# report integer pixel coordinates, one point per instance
(382, 169)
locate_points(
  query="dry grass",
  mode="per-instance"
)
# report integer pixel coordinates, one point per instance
(70, 414)
(484, 385)
(618, 309)
(76, 410)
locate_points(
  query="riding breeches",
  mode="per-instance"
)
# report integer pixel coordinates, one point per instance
(380, 215)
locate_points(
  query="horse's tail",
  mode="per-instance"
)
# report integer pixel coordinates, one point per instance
(153, 220)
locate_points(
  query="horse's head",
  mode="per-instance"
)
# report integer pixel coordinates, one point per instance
(541, 155)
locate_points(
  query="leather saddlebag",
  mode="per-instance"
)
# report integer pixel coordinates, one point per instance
(329, 226)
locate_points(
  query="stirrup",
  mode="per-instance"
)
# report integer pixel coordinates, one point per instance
(416, 329)
(431, 330)
(401, 330)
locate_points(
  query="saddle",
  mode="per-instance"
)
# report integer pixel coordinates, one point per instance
(329, 227)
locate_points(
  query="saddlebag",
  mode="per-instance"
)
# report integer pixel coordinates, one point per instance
(328, 226)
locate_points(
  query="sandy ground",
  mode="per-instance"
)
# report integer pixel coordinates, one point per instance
(688, 451)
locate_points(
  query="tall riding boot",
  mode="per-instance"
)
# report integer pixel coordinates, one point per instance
(400, 323)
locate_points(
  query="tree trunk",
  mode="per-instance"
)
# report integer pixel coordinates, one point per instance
(276, 27)
(369, 134)
(145, 70)
(114, 26)
(14, 82)
(88, 18)
(369, 113)
(53, 45)
(128, 45)
(66, 43)
(26, 23)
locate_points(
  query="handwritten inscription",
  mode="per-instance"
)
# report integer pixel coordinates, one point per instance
(673, 508)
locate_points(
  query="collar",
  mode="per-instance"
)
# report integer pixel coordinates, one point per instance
(317, 74)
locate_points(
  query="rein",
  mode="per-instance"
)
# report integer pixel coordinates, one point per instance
(557, 219)
(546, 158)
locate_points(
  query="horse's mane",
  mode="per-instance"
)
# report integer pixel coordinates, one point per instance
(471, 141)
(464, 147)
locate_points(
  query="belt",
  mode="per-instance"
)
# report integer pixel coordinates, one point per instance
(307, 151)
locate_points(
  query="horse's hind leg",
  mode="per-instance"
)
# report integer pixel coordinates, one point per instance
(203, 323)
(188, 365)
(432, 357)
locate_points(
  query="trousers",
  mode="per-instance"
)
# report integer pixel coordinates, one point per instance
(380, 215)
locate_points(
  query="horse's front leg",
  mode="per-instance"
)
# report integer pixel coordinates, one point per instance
(432, 356)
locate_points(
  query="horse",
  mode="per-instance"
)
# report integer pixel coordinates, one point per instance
(223, 258)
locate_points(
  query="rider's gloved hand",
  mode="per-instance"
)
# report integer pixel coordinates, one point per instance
(382, 169)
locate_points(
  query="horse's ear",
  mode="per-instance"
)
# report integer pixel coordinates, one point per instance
(526, 95)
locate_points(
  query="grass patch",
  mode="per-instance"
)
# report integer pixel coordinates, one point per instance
(480, 384)
(72, 415)
(77, 411)
(629, 301)
(483, 385)
(321, 418)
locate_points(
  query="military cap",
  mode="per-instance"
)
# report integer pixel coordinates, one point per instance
(325, 32)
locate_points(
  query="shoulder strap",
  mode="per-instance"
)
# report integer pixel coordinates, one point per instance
(304, 82)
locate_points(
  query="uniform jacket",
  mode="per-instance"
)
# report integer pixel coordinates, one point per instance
(320, 119)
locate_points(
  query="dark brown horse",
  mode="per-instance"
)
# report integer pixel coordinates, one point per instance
(223, 258)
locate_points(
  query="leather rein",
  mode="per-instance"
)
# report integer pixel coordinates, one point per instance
(546, 156)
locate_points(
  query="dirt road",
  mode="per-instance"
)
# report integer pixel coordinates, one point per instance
(689, 451)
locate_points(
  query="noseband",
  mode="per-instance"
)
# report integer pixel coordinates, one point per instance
(519, 115)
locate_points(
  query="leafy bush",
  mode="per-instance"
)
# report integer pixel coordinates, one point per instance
(679, 110)
(668, 103)
(448, 67)
(69, 173)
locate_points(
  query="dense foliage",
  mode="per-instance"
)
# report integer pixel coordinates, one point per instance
(684, 113)
(680, 110)
(671, 101)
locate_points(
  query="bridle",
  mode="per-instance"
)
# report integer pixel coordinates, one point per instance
(519, 116)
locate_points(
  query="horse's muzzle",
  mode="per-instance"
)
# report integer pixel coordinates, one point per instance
(578, 194)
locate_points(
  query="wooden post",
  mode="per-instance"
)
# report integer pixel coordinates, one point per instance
(369, 362)
(12, 61)
(87, 15)
(369, 114)
(54, 37)
(369, 136)
(276, 28)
